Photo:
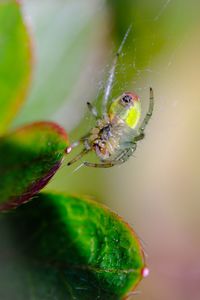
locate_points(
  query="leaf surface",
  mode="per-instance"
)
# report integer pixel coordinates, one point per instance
(29, 157)
(66, 247)
(15, 61)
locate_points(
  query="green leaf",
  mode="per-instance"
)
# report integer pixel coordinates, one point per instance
(15, 61)
(62, 247)
(29, 157)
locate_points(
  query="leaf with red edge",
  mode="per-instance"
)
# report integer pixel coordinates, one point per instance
(15, 61)
(29, 157)
(67, 247)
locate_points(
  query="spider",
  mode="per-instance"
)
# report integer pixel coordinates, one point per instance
(115, 136)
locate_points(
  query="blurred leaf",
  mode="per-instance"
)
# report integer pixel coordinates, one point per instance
(63, 32)
(29, 157)
(15, 61)
(67, 248)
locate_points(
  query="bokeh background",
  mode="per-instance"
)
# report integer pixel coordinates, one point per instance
(157, 191)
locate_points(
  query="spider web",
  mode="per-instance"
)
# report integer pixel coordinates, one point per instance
(144, 70)
(107, 86)
(141, 63)
(136, 59)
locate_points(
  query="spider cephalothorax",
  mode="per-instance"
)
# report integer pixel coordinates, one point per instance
(115, 135)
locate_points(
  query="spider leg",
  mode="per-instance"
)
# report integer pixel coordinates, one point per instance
(99, 165)
(139, 137)
(72, 146)
(75, 144)
(126, 153)
(111, 76)
(92, 110)
(78, 156)
(147, 117)
(120, 159)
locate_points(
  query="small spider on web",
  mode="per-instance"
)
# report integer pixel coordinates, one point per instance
(115, 136)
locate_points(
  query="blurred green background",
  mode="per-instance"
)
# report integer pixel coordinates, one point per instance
(157, 191)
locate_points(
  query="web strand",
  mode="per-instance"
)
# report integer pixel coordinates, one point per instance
(163, 8)
(112, 72)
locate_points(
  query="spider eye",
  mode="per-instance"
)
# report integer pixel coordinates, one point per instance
(126, 99)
